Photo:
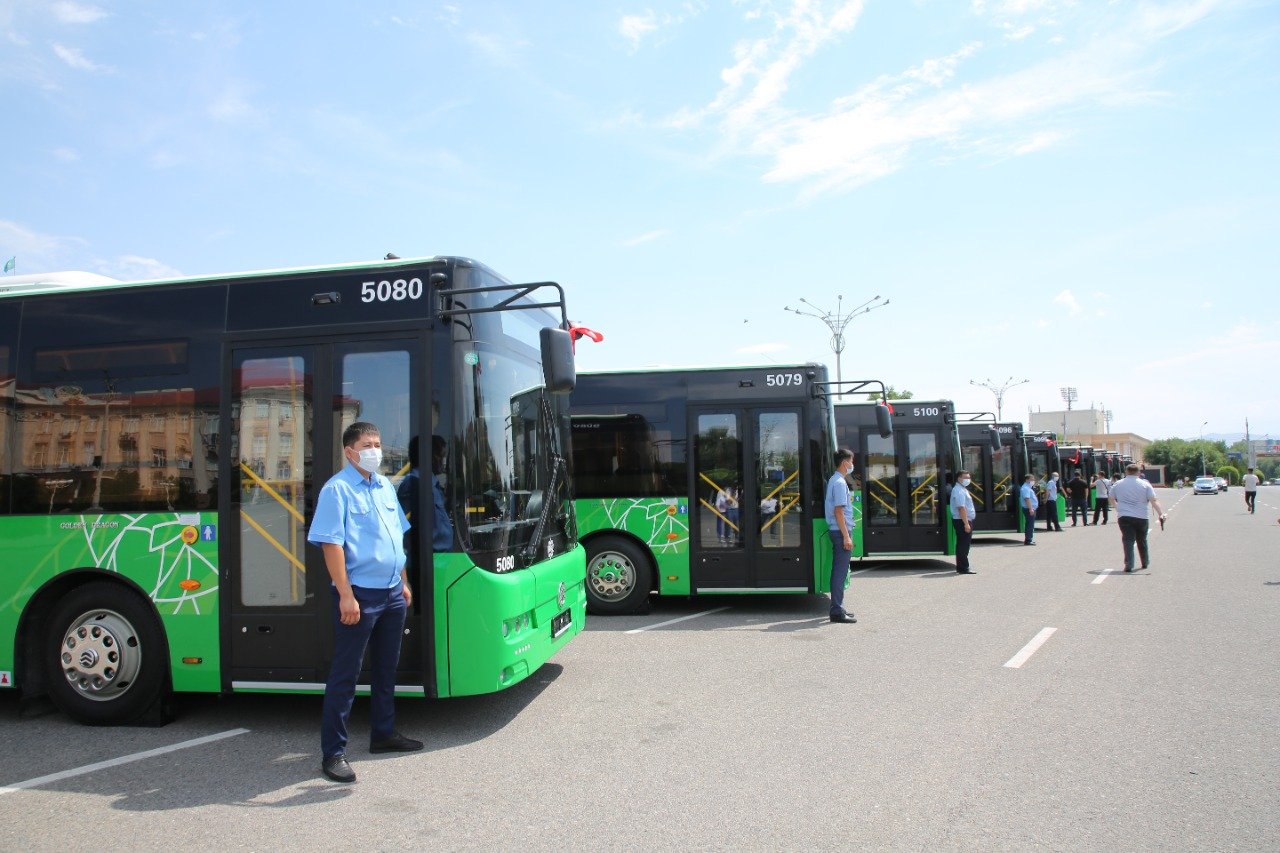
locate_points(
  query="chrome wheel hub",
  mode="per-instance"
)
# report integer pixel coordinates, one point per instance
(611, 576)
(101, 655)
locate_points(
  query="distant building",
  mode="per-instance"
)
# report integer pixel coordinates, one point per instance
(1072, 426)
(1124, 443)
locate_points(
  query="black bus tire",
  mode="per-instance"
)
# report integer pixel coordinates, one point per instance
(619, 576)
(105, 655)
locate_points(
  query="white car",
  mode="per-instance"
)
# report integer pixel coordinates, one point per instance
(1206, 486)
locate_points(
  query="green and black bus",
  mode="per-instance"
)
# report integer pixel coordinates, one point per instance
(901, 479)
(997, 467)
(701, 481)
(1042, 460)
(162, 445)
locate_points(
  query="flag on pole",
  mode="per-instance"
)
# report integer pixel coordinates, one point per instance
(10, 264)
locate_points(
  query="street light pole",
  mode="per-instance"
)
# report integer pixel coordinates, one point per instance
(836, 322)
(1204, 472)
(999, 391)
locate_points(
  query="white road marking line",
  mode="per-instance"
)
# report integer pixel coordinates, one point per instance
(674, 621)
(1104, 574)
(1030, 648)
(116, 762)
(860, 572)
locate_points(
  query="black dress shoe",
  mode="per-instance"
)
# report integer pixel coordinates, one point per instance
(396, 743)
(337, 769)
(1128, 568)
(848, 618)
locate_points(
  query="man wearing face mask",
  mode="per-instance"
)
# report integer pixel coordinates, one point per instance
(360, 527)
(962, 521)
(1051, 503)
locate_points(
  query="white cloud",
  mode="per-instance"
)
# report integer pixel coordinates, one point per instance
(1068, 300)
(136, 268)
(647, 237)
(499, 50)
(75, 58)
(36, 252)
(77, 13)
(762, 349)
(635, 27)
(66, 154)
(231, 106)
(929, 110)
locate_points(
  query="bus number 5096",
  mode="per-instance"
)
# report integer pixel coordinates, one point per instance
(391, 291)
(774, 380)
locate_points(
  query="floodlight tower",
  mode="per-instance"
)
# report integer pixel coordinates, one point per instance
(1070, 396)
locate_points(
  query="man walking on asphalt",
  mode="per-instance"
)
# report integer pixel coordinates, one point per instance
(1250, 483)
(1130, 498)
(1078, 494)
(1029, 502)
(839, 511)
(1051, 503)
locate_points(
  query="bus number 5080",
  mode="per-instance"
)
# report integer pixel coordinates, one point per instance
(391, 291)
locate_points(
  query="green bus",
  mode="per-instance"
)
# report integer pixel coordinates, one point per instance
(162, 445)
(702, 481)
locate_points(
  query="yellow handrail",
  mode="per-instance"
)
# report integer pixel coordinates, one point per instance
(272, 492)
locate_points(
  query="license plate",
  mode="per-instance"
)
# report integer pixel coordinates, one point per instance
(561, 623)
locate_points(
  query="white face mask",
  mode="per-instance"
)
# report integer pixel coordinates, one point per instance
(371, 459)
(965, 482)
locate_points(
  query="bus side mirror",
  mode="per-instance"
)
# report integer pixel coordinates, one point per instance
(884, 420)
(995, 439)
(558, 371)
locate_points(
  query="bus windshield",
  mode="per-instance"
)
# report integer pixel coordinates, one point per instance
(514, 477)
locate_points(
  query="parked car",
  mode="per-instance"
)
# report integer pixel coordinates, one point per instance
(1222, 483)
(1206, 486)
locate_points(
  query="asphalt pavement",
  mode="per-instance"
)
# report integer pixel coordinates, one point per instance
(1049, 702)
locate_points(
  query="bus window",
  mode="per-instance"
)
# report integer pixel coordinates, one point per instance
(778, 467)
(922, 473)
(374, 387)
(973, 464)
(718, 462)
(882, 482)
(271, 424)
(1002, 480)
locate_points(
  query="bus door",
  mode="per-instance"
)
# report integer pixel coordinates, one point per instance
(903, 491)
(749, 518)
(289, 405)
(977, 459)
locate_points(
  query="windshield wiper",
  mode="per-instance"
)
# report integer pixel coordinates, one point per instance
(550, 494)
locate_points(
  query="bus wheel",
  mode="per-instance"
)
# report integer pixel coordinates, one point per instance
(105, 655)
(618, 576)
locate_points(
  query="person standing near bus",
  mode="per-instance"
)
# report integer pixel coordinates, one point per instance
(1029, 503)
(1250, 483)
(360, 527)
(838, 504)
(1130, 498)
(1101, 501)
(962, 514)
(1078, 492)
(1051, 503)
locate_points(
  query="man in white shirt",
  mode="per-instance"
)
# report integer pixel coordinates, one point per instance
(1250, 483)
(1130, 498)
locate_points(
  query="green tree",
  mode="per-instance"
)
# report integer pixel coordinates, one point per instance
(1182, 458)
(893, 394)
(1228, 473)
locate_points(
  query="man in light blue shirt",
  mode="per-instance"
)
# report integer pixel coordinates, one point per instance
(1051, 503)
(838, 505)
(360, 526)
(1028, 501)
(962, 513)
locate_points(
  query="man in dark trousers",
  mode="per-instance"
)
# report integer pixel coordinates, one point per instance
(1130, 498)
(1051, 523)
(962, 521)
(1078, 496)
(360, 527)
(838, 504)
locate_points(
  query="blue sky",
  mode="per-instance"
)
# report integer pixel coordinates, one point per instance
(1075, 193)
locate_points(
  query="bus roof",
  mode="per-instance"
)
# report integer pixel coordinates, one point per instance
(74, 281)
(702, 368)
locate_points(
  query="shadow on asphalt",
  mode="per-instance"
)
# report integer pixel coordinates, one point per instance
(277, 764)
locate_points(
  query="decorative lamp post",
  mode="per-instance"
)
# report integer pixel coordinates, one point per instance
(836, 322)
